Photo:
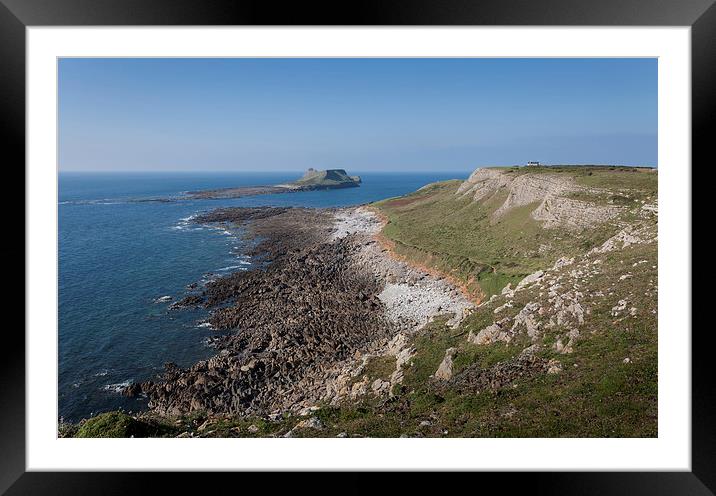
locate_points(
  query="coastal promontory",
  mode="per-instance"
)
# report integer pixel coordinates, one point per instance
(312, 179)
(518, 302)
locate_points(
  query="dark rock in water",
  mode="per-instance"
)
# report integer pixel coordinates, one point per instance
(132, 390)
(239, 192)
(240, 215)
(187, 302)
(157, 200)
(305, 310)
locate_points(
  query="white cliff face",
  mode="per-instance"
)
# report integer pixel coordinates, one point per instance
(555, 209)
(482, 183)
(572, 214)
(532, 188)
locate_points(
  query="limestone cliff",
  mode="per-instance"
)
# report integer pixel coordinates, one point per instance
(559, 201)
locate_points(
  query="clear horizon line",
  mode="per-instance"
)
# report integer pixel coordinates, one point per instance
(264, 171)
(437, 170)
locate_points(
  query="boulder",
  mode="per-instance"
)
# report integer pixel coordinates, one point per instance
(444, 371)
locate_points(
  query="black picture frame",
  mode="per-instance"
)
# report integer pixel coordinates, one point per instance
(17, 15)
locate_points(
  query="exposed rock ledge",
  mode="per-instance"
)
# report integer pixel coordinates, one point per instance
(411, 298)
(329, 299)
(555, 208)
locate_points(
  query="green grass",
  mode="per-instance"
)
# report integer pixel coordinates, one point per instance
(596, 394)
(380, 367)
(116, 424)
(436, 227)
(642, 182)
(600, 397)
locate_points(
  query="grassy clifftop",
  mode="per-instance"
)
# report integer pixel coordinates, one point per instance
(444, 226)
(565, 342)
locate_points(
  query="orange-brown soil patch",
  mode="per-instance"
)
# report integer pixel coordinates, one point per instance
(476, 296)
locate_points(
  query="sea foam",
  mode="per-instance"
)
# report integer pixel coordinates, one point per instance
(117, 387)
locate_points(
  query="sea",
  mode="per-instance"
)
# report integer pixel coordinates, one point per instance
(123, 261)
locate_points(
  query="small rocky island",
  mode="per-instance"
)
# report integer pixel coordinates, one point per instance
(313, 179)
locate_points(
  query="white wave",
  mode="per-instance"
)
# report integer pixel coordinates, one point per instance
(102, 373)
(184, 227)
(185, 223)
(207, 279)
(222, 230)
(106, 201)
(206, 325)
(232, 267)
(118, 387)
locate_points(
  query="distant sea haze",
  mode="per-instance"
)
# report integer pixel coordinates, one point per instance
(122, 263)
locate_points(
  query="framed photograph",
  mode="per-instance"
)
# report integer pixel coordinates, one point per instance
(447, 238)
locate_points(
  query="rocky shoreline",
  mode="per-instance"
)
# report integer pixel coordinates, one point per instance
(326, 297)
(337, 331)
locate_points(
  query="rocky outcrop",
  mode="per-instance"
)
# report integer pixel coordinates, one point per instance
(295, 322)
(483, 183)
(531, 188)
(497, 331)
(527, 319)
(555, 208)
(312, 180)
(530, 279)
(325, 179)
(476, 379)
(572, 214)
(444, 371)
(559, 299)
(630, 235)
(305, 324)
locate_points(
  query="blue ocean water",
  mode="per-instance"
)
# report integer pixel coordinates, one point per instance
(117, 257)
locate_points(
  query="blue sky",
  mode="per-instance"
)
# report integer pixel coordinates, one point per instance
(357, 114)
